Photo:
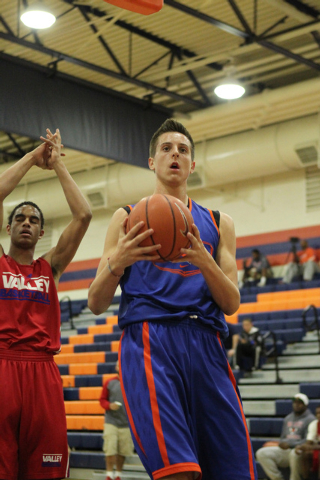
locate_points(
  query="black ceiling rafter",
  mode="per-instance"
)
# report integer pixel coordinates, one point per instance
(241, 17)
(197, 85)
(269, 29)
(16, 144)
(316, 36)
(151, 64)
(304, 8)
(104, 71)
(144, 34)
(171, 61)
(103, 42)
(249, 38)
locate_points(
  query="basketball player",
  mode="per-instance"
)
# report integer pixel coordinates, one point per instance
(182, 402)
(33, 438)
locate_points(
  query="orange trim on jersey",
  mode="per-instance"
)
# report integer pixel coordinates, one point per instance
(129, 414)
(177, 468)
(190, 204)
(129, 207)
(214, 221)
(234, 384)
(153, 395)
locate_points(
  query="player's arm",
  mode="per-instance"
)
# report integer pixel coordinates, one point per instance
(120, 251)
(12, 176)
(61, 255)
(220, 273)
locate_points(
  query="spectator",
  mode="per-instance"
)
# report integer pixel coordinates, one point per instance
(249, 346)
(230, 343)
(311, 449)
(258, 269)
(294, 432)
(304, 263)
(117, 437)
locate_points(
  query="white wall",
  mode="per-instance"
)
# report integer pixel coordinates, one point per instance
(261, 205)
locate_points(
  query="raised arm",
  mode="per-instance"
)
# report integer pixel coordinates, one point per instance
(11, 177)
(120, 251)
(220, 274)
(61, 255)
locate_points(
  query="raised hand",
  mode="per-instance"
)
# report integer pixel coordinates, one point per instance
(53, 144)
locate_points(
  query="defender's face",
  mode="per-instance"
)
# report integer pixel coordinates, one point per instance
(172, 161)
(25, 229)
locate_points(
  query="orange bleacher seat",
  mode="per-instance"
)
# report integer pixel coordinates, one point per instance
(68, 381)
(112, 320)
(85, 422)
(83, 369)
(83, 407)
(115, 346)
(107, 376)
(289, 294)
(66, 348)
(86, 357)
(95, 329)
(81, 339)
(90, 393)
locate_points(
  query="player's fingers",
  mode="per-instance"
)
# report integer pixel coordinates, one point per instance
(196, 232)
(135, 229)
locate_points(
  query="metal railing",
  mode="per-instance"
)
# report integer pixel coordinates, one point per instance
(314, 325)
(68, 299)
(273, 352)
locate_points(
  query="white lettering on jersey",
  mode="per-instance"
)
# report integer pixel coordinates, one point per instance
(19, 282)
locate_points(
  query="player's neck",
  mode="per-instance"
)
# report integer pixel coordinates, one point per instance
(178, 192)
(21, 256)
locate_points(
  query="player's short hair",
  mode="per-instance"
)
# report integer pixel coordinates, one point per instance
(32, 204)
(170, 125)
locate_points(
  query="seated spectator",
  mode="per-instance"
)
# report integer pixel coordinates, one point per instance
(294, 433)
(249, 347)
(311, 449)
(258, 269)
(116, 435)
(303, 263)
(231, 342)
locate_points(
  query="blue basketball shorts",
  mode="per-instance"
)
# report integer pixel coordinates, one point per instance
(182, 401)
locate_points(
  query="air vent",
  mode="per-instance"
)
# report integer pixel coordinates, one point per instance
(308, 155)
(195, 180)
(96, 199)
(312, 188)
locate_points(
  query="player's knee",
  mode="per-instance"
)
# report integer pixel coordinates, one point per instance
(261, 454)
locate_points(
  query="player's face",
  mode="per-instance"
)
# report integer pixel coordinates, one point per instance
(298, 406)
(25, 229)
(172, 161)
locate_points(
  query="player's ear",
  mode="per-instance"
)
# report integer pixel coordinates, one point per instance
(8, 227)
(41, 234)
(193, 166)
(151, 163)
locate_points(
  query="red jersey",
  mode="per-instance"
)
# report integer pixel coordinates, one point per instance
(29, 307)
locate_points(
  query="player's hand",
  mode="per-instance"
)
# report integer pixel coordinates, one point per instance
(54, 146)
(197, 254)
(114, 406)
(128, 250)
(284, 445)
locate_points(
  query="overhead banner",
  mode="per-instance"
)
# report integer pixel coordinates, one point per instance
(90, 118)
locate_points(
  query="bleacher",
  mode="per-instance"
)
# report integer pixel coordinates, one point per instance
(89, 354)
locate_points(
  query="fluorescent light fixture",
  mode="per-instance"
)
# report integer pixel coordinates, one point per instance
(38, 17)
(230, 90)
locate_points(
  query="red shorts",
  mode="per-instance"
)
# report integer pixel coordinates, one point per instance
(33, 440)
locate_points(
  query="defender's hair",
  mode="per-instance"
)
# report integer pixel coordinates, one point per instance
(170, 125)
(10, 218)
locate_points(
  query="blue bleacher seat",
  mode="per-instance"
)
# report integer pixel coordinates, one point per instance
(88, 460)
(312, 390)
(266, 426)
(85, 441)
(71, 393)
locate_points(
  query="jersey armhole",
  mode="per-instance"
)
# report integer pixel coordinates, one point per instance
(128, 209)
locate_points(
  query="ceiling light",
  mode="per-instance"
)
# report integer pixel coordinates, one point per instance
(229, 90)
(37, 16)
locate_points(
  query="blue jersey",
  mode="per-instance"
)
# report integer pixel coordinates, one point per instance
(167, 292)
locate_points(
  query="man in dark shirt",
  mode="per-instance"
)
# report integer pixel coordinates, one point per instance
(117, 437)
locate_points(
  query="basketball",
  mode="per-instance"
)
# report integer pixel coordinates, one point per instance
(170, 219)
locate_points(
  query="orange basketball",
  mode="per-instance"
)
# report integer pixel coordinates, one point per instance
(170, 219)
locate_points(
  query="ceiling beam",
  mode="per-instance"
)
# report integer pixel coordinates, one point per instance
(104, 71)
(234, 31)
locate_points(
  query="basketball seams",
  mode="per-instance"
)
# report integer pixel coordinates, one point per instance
(174, 226)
